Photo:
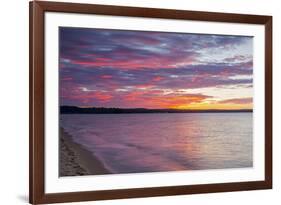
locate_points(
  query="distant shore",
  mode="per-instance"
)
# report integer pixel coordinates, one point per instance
(103, 110)
(74, 160)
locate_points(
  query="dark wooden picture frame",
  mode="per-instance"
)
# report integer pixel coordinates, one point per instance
(37, 193)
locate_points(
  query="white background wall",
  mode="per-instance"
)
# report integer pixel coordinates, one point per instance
(14, 101)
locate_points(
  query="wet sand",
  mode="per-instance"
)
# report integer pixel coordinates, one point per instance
(74, 160)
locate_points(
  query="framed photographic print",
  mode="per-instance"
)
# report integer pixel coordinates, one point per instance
(138, 102)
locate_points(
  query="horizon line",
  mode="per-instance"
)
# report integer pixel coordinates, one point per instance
(89, 107)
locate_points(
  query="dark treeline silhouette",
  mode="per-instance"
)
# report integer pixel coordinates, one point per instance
(102, 110)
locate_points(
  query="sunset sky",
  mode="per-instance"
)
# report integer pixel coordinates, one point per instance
(134, 69)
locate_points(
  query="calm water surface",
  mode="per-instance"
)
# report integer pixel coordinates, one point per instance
(129, 143)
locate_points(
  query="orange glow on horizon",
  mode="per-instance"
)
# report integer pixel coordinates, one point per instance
(213, 106)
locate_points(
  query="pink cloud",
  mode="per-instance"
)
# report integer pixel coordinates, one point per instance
(106, 76)
(238, 101)
(157, 78)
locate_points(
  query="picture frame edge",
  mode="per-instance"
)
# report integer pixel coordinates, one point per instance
(37, 193)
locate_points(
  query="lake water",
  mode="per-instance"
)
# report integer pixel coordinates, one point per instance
(130, 143)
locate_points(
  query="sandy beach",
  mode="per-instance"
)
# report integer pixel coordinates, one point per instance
(74, 160)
